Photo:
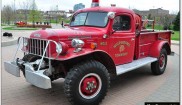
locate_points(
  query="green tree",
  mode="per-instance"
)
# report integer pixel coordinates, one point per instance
(149, 16)
(7, 14)
(34, 15)
(177, 22)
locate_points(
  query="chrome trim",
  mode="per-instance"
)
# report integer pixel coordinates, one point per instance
(43, 55)
(17, 49)
(77, 44)
(37, 47)
(29, 67)
(12, 68)
(38, 79)
(111, 15)
(34, 48)
(120, 69)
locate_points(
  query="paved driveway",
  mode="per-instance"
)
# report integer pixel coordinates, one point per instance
(133, 88)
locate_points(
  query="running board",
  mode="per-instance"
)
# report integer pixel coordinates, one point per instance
(120, 69)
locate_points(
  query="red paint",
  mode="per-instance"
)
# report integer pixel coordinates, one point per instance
(20, 23)
(162, 60)
(156, 47)
(97, 1)
(146, 44)
(84, 86)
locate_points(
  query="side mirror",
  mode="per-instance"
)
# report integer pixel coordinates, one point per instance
(111, 15)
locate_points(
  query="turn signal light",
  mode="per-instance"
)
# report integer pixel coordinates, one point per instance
(93, 45)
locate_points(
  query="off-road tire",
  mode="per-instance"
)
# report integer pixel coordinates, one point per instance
(155, 66)
(75, 77)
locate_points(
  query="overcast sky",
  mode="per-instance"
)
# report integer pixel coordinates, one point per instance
(45, 5)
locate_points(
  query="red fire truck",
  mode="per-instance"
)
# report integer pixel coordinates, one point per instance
(100, 43)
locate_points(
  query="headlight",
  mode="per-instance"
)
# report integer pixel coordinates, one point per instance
(77, 43)
(59, 48)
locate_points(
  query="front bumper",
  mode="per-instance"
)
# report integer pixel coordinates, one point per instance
(36, 78)
(12, 68)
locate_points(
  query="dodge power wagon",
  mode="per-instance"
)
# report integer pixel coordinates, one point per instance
(99, 43)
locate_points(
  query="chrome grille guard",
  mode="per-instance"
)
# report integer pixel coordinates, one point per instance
(39, 47)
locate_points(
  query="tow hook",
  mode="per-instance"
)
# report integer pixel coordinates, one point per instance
(20, 63)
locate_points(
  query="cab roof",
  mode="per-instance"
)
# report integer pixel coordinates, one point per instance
(106, 9)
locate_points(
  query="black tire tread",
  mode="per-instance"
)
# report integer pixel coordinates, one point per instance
(155, 65)
(75, 72)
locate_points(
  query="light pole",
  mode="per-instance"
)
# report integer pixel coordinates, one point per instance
(14, 12)
(33, 13)
(57, 14)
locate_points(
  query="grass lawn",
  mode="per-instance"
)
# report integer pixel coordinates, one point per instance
(19, 28)
(176, 36)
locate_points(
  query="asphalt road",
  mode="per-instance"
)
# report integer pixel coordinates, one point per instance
(132, 88)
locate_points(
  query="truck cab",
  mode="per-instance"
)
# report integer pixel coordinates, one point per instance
(100, 43)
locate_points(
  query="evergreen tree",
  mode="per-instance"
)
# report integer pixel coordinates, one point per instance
(177, 22)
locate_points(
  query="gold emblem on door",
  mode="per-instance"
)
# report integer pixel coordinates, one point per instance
(121, 48)
(121, 45)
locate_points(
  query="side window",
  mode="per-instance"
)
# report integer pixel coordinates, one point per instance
(122, 23)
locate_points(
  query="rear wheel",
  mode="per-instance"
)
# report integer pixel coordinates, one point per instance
(159, 66)
(87, 83)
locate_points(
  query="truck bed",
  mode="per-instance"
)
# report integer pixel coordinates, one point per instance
(146, 39)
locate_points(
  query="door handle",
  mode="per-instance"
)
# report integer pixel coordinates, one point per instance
(132, 39)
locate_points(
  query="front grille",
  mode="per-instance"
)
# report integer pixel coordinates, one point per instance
(37, 47)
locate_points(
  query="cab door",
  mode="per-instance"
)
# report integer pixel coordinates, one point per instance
(122, 39)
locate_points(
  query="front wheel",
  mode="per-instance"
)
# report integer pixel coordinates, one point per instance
(87, 83)
(159, 66)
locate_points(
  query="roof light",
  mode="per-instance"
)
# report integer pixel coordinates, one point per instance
(95, 3)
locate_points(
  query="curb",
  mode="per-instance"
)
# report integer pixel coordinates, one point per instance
(175, 42)
(9, 43)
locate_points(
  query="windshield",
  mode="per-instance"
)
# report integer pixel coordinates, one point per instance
(98, 19)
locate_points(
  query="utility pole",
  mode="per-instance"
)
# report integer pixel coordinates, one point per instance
(56, 14)
(14, 12)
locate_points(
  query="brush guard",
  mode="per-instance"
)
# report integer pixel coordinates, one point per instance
(37, 47)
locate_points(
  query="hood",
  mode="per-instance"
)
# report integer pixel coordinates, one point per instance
(68, 33)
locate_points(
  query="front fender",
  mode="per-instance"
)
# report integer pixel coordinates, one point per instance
(156, 48)
(71, 54)
(98, 55)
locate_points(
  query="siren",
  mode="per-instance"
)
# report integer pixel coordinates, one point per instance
(95, 3)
